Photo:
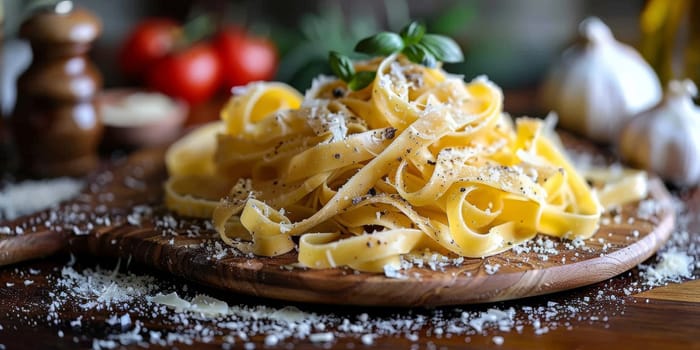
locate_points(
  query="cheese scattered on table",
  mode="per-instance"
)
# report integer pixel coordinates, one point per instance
(34, 195)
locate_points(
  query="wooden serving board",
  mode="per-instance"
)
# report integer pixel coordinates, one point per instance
(120, 215)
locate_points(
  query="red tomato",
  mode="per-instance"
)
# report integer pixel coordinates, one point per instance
(150, 41)
(245, 58)
(193, 74)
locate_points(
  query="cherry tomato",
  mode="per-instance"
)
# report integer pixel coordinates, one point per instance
(245, 58)
(193, 74)
(150, 41)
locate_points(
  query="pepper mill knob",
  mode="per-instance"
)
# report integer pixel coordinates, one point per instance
(55, 123)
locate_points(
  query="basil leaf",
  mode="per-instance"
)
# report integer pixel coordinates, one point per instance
(413, 53)
(419, 54)
(413, 32)
(443, 48)
(429, 60)
(361, 80)
(341, 66)
(382, 44)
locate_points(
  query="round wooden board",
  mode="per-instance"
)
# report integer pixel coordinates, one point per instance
(517, 276)
(191, 249)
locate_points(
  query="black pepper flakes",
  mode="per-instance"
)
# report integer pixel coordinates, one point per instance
(389, 133)
(615, 211)
(372, 229)
(338, 92)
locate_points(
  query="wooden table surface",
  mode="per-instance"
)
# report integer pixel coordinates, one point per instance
(619, 313)
(662, 318)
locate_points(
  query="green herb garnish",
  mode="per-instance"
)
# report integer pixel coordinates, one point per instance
(341, 66)
(382, 44)
(413, 42)
(361, 79)
(443, 48)
(412, 33)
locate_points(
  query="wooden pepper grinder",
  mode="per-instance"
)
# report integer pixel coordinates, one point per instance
(55, 124)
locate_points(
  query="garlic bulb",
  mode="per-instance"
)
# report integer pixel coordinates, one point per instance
(599, 83)
(666, 138)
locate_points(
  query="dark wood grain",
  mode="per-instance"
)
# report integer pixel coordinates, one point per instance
(186, 248)
(685, 292)
(32, 246)
(633, 323)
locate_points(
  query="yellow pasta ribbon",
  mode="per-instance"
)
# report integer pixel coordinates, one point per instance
(417, 160)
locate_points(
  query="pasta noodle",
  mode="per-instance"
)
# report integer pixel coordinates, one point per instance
(416, 160)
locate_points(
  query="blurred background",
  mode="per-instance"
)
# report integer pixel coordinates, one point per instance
(158, 67)
(511, 41)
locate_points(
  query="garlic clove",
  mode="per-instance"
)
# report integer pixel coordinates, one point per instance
(679, 96)
(595, 31)
(666, 138)
(598, 84)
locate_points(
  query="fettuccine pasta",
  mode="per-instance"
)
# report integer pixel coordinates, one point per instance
(417, 160)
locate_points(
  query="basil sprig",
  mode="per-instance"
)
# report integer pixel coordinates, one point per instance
(412, 33)
(443, 48)
(342, 67)
(361, 80)
(382, 44)
(418, 46)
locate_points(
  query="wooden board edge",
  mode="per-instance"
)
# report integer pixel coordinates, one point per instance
(453, 290)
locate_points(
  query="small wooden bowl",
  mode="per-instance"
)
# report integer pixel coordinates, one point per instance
(137, 119)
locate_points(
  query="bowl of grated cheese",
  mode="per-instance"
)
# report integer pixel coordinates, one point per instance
(136, 119)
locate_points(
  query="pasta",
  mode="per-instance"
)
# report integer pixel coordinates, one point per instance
(417, 160)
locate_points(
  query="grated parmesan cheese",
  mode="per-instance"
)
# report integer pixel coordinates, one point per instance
(99, 288)
(34, 195)
(271, 326)
(672, 267)
(321, 337)
(498, 340)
